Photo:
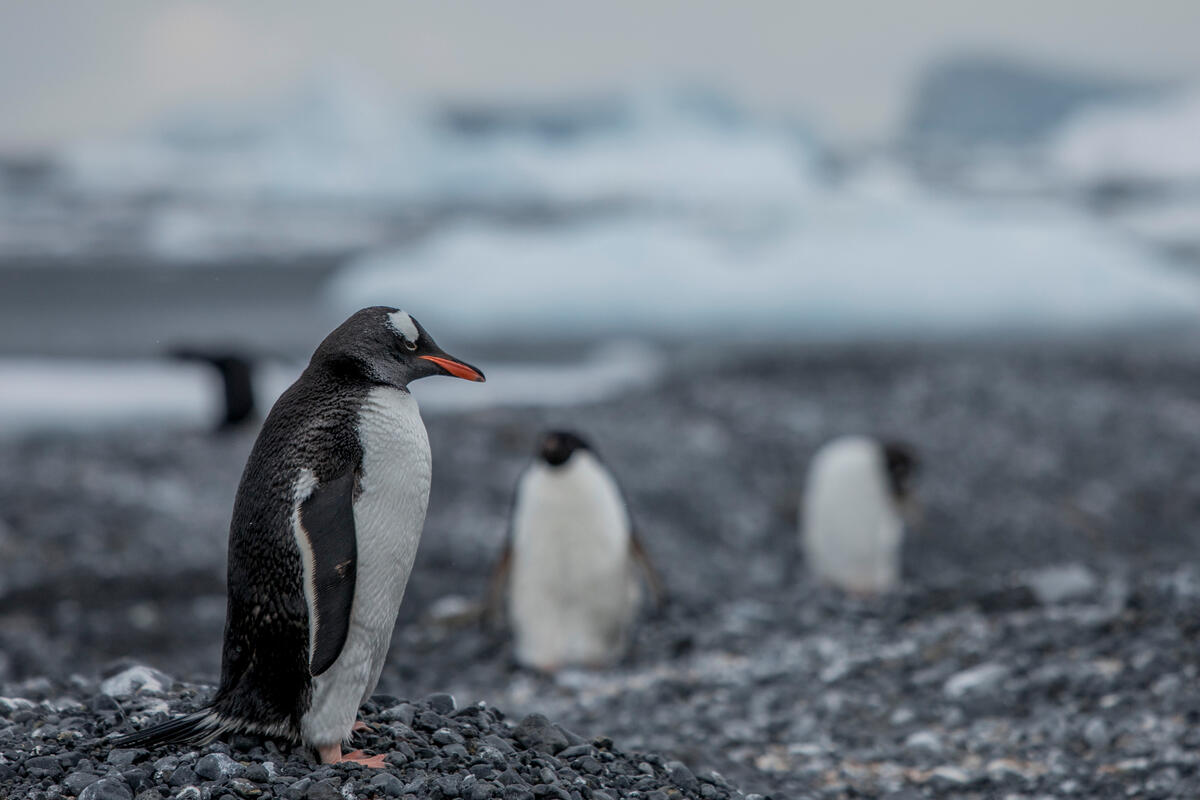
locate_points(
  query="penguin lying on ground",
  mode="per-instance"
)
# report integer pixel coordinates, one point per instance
(850, 519)
(571, 561)
(325, 528)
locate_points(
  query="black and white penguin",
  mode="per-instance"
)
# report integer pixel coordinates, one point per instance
(236, 370)
(325, 528)
(851, 522)
(571, 561)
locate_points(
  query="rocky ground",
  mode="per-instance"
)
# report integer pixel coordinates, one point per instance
(1044, 643)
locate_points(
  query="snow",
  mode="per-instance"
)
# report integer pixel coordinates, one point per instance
(76, 394)
(1152, 141)
(344, 146)
(872, 260)
(135, 679)
(340, 164)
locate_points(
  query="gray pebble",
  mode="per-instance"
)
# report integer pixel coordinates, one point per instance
(244, 788)
(1096, 734)
(256, 773)
(537, 733)
(446, 736)
(137, 779)
(297, 790)
(402, 713)
(449, 785)
(123, 758)
(217, 767)
(683, 777)
(482, 790)
(107, 789)
(328, 789)
(456, 750)
(182, 776)
(43, 767)
(388, 784)
(76, 782)
(441, 703)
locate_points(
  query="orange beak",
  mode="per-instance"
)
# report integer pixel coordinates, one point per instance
(457, 368)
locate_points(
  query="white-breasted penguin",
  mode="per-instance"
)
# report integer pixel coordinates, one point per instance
(851, 521)
(571, 560)
(325, 528)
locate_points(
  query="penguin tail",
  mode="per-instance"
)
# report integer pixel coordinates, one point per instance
(198, 728)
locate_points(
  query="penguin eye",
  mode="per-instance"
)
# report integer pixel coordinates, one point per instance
(409, 345)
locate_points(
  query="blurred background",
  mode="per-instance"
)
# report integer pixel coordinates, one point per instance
(190, 173)
(712, 236)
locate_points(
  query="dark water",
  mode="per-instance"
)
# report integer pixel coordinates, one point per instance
(142, 309)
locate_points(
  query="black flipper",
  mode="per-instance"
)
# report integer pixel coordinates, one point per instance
(653, 579)
(327, 519)
(493, 604)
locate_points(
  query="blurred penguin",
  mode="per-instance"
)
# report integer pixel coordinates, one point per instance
(569, 571)
(851, 521)
(237, 379)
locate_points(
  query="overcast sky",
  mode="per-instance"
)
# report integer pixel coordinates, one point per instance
(77, 68)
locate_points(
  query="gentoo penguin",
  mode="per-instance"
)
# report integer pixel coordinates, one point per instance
(237, 381)
(325, 527)
(850, 518)
(571, 560)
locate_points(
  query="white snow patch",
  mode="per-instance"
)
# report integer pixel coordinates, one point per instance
(981, 678)
(8, 704)
(1062, 583)
(74, 394)
(136, 679)
(78, 393)
(852, 266)
(1157, 141)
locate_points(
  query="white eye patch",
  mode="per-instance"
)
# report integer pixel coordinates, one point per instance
(404, 325)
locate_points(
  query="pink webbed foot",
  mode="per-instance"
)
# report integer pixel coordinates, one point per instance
(359, 757)
(332, 754)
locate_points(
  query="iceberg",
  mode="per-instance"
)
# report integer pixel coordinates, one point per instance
(1143, 143)
(876, 259)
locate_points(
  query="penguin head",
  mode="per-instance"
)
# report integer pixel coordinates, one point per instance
(902, 465)
(557, 447)
(387, 346)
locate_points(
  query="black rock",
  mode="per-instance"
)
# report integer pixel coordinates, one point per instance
(76, 782)
(537, 733)
(683, 777)
(388, 784)
(328, 789)
(256, 773)
(44, 767)
(441, 703)
(137, 779)
(244, 788)
(120, 758)
(218, 767)
(449, 785)
(182, 776)
(482, 790)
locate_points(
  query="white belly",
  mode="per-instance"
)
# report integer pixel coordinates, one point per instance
(573, 593)
(388, 517)
(852, 530)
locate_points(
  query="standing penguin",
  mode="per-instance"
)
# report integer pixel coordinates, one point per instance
(570, 561)
(851, 523)
(325, 528)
